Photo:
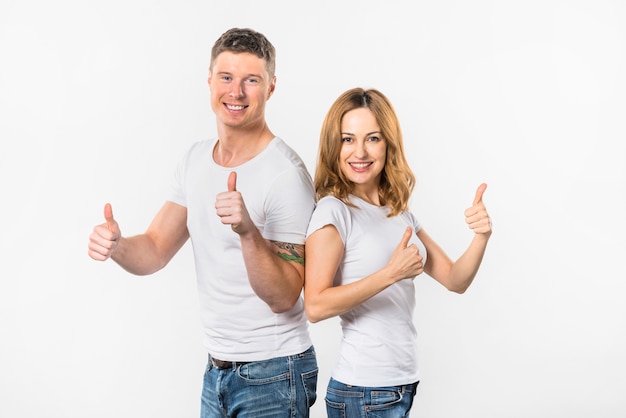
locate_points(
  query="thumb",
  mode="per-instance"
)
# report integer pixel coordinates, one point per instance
(232, 181)
(108, 215)
(406, 237)
(479, 193)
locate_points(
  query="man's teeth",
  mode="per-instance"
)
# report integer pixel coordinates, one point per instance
(232, 107)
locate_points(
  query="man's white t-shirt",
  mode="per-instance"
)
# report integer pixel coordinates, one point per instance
(379, 345)
(279, 196)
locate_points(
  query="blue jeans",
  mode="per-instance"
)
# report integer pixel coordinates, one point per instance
(346, 401)
(275, 388)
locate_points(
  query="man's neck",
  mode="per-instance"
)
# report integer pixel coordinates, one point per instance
(235, 147)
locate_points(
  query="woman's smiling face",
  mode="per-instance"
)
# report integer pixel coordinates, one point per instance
(363, 151)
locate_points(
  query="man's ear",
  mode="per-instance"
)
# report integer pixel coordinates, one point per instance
(272, 87)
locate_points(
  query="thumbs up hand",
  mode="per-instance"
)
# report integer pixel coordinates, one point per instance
(476, 216)
(230, 207)
(406, 261)
(105, 237)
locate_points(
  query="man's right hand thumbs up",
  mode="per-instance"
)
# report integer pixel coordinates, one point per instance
(105, 237)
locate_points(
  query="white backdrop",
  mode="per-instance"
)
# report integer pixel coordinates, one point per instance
(98, 101)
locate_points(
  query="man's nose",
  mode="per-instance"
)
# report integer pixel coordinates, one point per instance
(237, 90)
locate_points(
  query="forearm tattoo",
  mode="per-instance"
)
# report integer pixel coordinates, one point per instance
(290, 252)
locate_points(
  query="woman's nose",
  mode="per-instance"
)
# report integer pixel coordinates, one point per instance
(360, 150)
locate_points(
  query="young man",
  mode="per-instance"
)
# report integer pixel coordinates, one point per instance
(245, 199)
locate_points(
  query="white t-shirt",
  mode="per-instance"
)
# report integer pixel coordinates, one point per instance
(279, 196)
(379, 346)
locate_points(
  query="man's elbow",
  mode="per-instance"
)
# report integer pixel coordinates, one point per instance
(282, 306)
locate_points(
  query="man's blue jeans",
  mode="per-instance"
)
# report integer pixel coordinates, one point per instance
(275, 388)
(346, 401)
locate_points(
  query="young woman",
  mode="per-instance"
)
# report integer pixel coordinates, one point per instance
(363, 250)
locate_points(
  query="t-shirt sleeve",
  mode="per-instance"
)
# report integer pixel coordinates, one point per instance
(178, 193)
(331, 211)
(289, 207)
(416, 225)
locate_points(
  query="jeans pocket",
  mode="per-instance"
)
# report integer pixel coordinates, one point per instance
(335, 409)
(263, 373)
(309, 381)
(384, 398)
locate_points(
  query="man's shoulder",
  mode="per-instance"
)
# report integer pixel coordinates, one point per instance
(202, 144)
(280, 158)
(279, 146)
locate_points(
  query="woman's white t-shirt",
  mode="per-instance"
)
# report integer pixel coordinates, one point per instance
(379, 345)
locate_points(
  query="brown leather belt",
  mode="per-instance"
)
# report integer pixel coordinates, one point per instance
(221, 364)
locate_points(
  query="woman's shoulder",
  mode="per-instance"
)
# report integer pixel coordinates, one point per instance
(331, 205)
(329, 200)
(330, 210)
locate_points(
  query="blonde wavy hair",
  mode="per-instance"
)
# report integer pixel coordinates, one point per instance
(397, 179)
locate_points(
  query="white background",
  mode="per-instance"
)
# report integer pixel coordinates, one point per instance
(99, 100)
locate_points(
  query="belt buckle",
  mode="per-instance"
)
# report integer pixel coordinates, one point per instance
(220, 364)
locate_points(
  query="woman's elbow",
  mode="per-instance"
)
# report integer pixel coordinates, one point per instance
(459, 288)
(312, 314)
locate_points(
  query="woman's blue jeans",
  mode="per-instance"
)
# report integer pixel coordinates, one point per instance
(346, 401)
(275, 388)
